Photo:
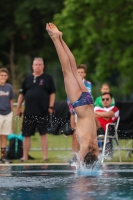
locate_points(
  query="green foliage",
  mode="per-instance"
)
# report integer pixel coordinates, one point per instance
(23, 37)
(100, 33)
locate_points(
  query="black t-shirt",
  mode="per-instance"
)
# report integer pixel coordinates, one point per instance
(36, 91)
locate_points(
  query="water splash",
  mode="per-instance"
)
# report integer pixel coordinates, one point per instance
(58, 125)
(88, 170)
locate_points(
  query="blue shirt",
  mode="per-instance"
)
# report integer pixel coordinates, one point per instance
(6, 94)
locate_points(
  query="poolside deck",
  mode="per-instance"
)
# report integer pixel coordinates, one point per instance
(40, 164)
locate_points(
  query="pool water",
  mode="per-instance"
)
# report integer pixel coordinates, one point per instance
(58, 182)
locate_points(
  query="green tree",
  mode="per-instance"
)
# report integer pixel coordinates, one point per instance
(100, 33)
(23, 36)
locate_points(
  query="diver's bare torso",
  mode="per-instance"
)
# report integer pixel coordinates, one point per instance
(87, 138)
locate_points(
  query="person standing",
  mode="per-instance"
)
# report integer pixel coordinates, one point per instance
(38, 91)
(6, 111)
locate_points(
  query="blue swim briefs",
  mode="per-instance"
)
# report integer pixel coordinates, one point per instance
(84, 99)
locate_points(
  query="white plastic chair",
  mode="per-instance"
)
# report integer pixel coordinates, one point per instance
(106, 136)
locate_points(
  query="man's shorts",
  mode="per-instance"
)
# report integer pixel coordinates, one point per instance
(33, 123)
(6, 124)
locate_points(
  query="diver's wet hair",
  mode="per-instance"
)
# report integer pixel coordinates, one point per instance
(90, 159)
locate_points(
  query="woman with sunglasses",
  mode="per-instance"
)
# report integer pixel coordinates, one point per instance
(80, 98)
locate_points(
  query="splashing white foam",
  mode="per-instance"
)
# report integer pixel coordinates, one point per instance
(88, 170)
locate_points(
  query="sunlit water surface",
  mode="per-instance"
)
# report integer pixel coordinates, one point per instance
(62, 183)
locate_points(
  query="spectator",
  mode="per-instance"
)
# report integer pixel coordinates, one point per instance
(82, 69)
(98, 102)
(105, 115)
(38, 91)
(6, 111)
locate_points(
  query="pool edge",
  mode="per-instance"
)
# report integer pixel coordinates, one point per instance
(39, 164)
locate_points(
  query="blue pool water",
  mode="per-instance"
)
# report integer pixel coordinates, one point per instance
(113, 182)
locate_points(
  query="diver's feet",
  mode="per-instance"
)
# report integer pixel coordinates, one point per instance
(53, 31)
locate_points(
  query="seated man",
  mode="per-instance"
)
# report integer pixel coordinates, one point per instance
(104, 88)
(105, 115)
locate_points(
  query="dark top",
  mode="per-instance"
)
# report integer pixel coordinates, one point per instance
(131, 97)
(6, 94)
(126, 115)
(36, 91)
(125, 127)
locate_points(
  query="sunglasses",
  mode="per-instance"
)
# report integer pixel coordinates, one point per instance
(103, 99)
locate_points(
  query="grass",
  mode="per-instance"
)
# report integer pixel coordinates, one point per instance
(60, 149)
(124, 153)
(63, 156)
(53, 157)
